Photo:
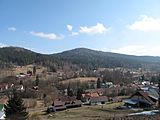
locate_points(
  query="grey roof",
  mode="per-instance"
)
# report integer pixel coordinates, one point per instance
(153, 93)
(130, 101)
(144, 94)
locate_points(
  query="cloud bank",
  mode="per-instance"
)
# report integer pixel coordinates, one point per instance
(69, 27)
(3, 45)
(146, 24)
(99, 28)
(50, 36)
(138, 50)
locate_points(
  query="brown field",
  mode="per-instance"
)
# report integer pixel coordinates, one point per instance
(79, 79)
(82, 113)
(20, 69)
(105, 112)
(24, 69)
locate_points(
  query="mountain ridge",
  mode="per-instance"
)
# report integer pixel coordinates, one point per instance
(83, 57)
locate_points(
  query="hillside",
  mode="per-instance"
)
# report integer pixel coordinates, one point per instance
(21, 57)
(17, 55)
(81, 56)
(92, 58)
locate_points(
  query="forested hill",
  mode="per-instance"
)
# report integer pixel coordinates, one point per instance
(81, 56)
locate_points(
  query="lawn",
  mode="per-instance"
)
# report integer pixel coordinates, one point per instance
(84, 113)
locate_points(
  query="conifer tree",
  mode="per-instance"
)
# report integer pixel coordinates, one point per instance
(98, 83)
(15, 109)
(34, 70)
(79, 93)
(69, 91)
(37, 81)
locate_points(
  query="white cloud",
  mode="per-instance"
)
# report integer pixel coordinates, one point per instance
(138, 50)
(97, 29)
(69, 27)
(3, 45)
(146, 24)
(50, 36)
(74, 33)
(13, 29)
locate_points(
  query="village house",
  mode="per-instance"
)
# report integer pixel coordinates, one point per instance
(99, 100)
(70, 102)
(94, 97)
(63, 103)
(4, 87)
(143, 98)
(153, 93)
(21, 75)
(146, 83)
(58, 106)
(107, 85)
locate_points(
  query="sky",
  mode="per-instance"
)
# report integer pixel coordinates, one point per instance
(51, 26)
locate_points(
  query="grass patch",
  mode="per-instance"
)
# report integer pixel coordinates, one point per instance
(87, 113)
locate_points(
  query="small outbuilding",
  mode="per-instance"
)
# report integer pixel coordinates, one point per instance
(98, 100)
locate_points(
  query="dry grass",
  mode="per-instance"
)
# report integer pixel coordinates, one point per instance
(20, 69)
(84, 113)
(105, 112)
(79, 79)
(91, 113)
(24, 69)
(30, 103)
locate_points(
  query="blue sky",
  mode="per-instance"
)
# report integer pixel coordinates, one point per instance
(51, 26)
